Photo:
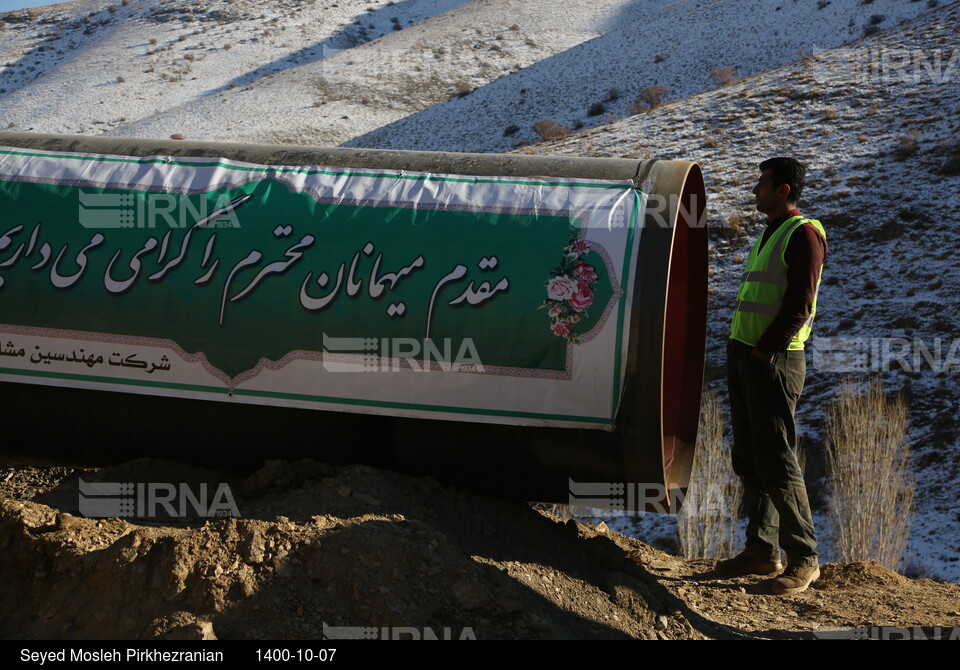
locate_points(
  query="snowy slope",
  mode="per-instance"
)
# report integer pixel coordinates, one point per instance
(297, 71)
(677, 47)
(350, 91)
(146, 58)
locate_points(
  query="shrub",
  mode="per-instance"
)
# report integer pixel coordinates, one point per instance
(735, 227)
(907, 145)
(650, 97)
(871, 487)
(723, 76)
(550, 130)
(176, 136)
(707, 521)
(596, 109)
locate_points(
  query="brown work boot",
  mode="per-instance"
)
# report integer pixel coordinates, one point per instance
(744, 564)
(795, 579)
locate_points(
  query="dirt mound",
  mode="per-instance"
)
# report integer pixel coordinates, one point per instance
(848, 575)
(322, 551)
(320, 547)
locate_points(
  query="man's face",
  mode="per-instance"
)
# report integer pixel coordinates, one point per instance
(770, 198)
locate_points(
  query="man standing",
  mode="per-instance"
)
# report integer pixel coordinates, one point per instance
(766, 367)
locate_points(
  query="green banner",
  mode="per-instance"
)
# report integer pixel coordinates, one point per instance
(243, 268)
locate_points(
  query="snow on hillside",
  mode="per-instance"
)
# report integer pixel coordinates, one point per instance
(875, 117)
(686, 47)
(91, 66)
(296, 71)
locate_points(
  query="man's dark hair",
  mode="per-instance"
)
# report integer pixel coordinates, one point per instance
(789, 171)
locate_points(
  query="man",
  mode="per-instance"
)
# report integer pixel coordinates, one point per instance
(765, 374)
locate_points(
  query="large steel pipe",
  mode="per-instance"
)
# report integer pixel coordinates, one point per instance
(647, 444)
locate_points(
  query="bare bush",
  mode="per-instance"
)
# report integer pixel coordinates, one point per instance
(723, 76)
(707, 522)
(735, 227)
(871, 486)
(650, 97)
(907, 145)
(550, 130)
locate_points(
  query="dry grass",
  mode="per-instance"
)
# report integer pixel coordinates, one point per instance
(650, 97)
(723, 76)
(707, 522)
(907, 145)
(548, 129)
(871, 483)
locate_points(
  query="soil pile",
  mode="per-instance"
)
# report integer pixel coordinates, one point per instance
(322, 551)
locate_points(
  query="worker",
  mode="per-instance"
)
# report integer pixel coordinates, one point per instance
(766, 368)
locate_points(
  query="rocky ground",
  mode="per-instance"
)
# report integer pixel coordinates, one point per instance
(317, 546)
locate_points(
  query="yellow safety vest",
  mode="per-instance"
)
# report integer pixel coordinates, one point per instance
(763, 284)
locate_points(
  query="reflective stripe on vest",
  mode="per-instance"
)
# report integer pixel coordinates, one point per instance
(763, 285)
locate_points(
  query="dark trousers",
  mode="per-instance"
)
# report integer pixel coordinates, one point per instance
(763, 399)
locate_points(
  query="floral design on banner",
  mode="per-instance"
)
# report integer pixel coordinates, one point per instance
(569, 289)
